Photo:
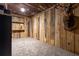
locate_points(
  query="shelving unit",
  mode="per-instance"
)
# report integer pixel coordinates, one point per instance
(17, 31)
(18, 28)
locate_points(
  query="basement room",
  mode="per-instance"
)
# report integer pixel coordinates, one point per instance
(39, 29)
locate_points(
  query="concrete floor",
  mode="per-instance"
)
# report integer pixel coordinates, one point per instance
(33, 47)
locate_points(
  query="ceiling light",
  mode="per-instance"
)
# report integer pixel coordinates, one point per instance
(22, 10)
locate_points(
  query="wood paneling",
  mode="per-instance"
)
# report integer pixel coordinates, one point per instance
(42, 31)
(63, 35)
(77, 31)
(63, 38)
(41, 26)
(26, 20)
(77, 37)
(70, 41)
(52, 26)
(45, 26)
(48, 27)
(35, 27)
(57, 28)
(31, 27)
(48, 17)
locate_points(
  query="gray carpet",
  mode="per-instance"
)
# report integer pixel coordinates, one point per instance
(33, 47)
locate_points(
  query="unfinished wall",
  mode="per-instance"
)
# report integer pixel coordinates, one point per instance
(65, 39)
(48, 26)
(42, 26)
(76, 35)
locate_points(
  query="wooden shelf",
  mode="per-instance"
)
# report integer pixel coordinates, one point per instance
(18, 22)
(17, 30)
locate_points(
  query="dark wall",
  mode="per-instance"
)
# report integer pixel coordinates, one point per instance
(5, 34)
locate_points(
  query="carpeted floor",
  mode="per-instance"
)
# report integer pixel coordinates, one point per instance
(33, 47)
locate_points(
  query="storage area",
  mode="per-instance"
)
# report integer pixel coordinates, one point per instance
(44, 29)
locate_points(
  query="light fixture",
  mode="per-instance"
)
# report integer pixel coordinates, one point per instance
(22, 9)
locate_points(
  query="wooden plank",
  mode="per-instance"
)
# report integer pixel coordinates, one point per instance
(48, 14)
(35, 27)
(77, 36)
(17, 30)
(52, 27)
(63, 41)
(17, 19)
(30, 28)
(26, 27)
(57, 27)
(18, 22)
(38, 27)
(45, 26)
(70, 41)
(76, 13)
(42, 32)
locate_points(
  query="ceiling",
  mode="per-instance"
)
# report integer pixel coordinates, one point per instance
(31, 8)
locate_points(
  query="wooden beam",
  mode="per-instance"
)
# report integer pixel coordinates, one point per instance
(31, 6)
(18, 22)
(37, 6)
(17, 30)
